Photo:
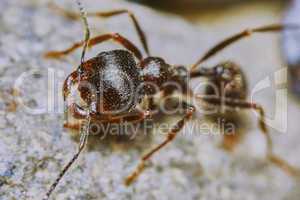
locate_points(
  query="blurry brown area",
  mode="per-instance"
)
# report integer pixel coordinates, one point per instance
(291, 46)
(193, 8)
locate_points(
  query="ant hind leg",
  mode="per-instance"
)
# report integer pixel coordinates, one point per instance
(241, 35)
(274, 159)
(169, 138)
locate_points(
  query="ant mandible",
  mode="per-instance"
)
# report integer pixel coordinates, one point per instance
(154, 70)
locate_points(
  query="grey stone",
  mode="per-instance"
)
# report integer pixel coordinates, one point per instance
(34, 147)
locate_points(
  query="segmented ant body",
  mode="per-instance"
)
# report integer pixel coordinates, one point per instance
(102, 82)
(116, 94)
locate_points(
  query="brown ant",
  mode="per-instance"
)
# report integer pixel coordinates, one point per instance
(103, 88)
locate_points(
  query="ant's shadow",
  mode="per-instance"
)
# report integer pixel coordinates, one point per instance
(125, 136)
(118, 137)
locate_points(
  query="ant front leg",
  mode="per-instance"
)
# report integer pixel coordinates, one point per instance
(78, 113)
(281, 163)
(131, 117)
(97, 40)
(134, 116)
(170, 137)
(107, 14)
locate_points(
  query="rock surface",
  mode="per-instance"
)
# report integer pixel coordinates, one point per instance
(34, 146)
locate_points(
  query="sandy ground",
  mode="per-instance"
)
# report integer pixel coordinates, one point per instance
(34, 146)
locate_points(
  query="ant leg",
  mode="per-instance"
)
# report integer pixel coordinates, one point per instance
(83, 140)
(282, 164)
(170, 137)
(75, 126)
(132, 117)
(74, 16)
(229, 102)
(230, 141)
(248, 32)
(77, 111)
(97, 40)
(248, 105)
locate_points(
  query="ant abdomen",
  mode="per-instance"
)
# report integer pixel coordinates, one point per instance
(228, 81)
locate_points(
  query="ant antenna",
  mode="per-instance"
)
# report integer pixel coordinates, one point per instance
(83, 16)
(83, 140)
(86, 31)
(84, 132)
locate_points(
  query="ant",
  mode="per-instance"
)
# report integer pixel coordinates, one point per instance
(103, 88)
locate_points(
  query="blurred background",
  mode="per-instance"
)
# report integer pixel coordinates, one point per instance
(193, 9)
(227, 13)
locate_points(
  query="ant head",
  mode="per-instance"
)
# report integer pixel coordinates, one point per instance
(155, 72)
(110, 82)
